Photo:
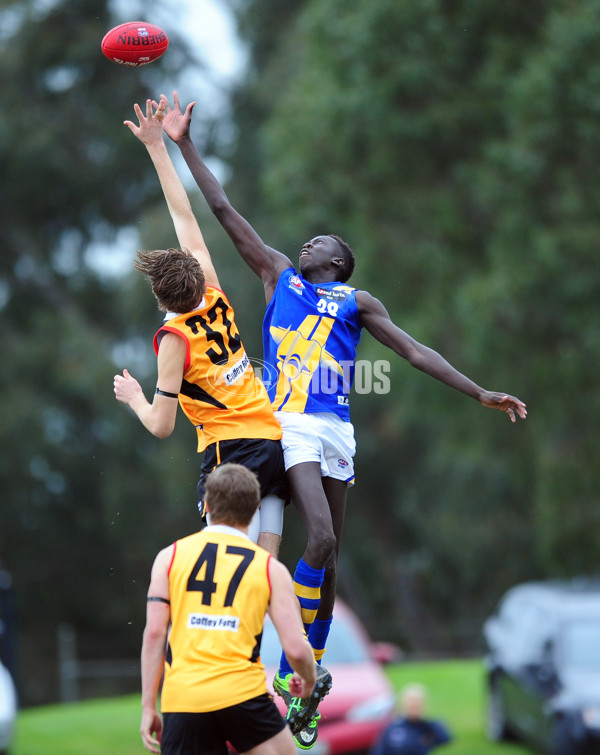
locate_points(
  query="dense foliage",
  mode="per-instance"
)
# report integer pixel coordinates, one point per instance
(454, 144)
(85, 494)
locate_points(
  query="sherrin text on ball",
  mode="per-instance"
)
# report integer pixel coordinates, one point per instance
(135, 43)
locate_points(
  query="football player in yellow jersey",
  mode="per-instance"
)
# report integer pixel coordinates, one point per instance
(202, 364)
(312, 325)
(206, 604)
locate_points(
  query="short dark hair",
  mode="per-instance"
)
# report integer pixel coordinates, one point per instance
(232, 494)
(175, 276)
(347, 268)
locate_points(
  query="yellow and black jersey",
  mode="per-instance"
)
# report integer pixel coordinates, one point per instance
(219, 591)
(220, 393)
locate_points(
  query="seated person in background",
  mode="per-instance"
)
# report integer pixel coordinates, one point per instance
(410, 733)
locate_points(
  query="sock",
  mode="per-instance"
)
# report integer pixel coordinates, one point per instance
(317, 636)
(307, 586)
(254, 526)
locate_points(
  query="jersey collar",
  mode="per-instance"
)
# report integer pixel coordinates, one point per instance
(226, 529)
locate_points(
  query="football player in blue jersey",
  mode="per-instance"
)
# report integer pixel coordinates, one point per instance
(312, 325)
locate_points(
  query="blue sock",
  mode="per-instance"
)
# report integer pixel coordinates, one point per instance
(317, 636)
(307, 586)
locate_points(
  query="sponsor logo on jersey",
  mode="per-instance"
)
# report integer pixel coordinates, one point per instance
(342, 463)
(343, 400)
(296, 284)
(236, 372)
(327, 293)
(206, 621)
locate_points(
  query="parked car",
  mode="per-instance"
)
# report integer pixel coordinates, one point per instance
(543, 667)
(361, 700)
(8, 709)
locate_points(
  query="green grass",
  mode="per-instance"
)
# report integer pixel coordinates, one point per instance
(96, 727)
(456, 695)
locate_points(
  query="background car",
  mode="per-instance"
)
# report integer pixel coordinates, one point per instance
(543, 667)
(8, 709)
(8, 695)
(361, 700)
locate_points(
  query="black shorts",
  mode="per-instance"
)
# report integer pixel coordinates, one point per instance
(263, 457)
(245, 725)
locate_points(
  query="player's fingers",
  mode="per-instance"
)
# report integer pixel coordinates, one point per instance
(176, 100)
(149, 743)
(189, 108)
(138, 111)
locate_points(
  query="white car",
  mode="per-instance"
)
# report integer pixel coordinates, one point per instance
(543, 666)
(8, 709)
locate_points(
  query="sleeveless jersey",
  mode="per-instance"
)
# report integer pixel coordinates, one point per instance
(310, 335)
(220, 393)
(219, 591)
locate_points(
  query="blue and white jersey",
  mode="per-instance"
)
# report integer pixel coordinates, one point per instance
(310, 335)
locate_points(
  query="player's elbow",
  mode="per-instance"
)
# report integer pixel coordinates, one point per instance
(415, 360)
(218, 203)
(154, 634)
(160, 420)
(222, 209)
(162, 427)
(419, 357)
(163, 432)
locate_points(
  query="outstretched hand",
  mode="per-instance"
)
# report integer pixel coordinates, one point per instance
(176, 124)
(150, 128)
(505, 403)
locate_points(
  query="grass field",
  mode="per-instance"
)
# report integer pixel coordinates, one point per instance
(99, 727)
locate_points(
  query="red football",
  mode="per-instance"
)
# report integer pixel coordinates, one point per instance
(135, 43)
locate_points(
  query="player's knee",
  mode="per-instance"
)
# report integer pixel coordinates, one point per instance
(321, 546)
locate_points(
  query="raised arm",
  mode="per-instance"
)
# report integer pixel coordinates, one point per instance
(150, 132)
(377, 321)
(266, 262)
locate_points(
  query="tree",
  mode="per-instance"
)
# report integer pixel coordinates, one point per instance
(87, 497)
(453, 145)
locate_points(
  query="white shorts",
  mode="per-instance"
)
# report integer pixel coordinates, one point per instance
(321, 437)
